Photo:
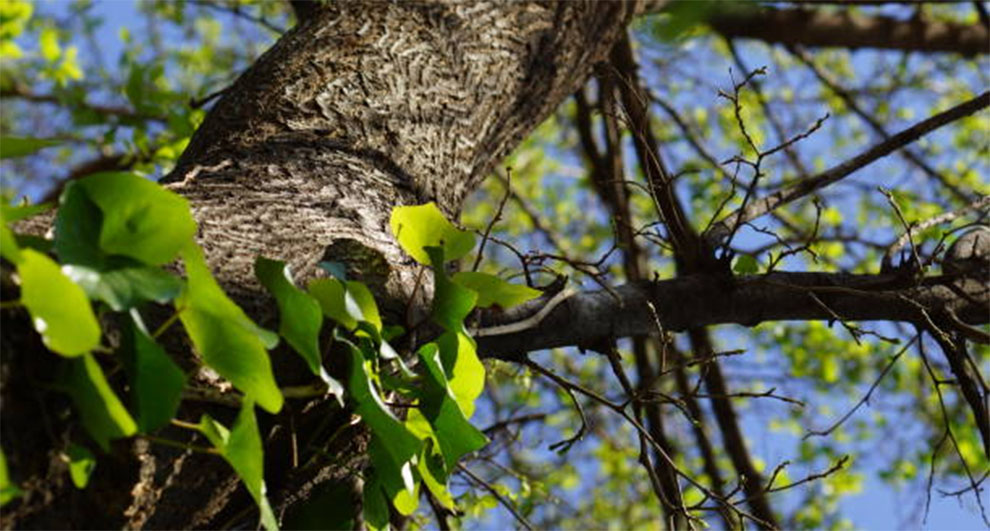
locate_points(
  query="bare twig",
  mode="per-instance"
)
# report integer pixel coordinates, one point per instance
(800, 189)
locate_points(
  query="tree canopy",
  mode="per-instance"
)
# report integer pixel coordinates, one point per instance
(624, 265)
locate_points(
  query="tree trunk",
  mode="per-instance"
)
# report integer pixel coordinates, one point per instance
(360, 108)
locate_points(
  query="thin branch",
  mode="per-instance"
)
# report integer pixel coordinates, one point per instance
(800, 189)
(498, 496)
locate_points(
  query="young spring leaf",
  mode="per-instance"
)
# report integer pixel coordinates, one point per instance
(417, 227)
(241, 446)
(397, 479)
(140, 218)
(102, 413)
(228, 340)
(77, 228)
(347, 303)
(300, 317)
(493, 290)
(156, 381)
(400, 444)
(454, 433)
(125, 287)
(59, 308)
(8, 490)
(451, 302)
(465, 372)
(82, 462)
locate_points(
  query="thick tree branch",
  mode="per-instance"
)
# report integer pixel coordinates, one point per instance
(757, 208)
(851, 30)
(700, 300)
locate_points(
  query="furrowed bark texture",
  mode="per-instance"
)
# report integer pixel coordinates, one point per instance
(360, 108)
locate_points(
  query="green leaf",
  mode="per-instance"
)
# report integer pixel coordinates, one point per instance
(365, 301)
(300, 317)
(451, 302)
(8, 244)
(11, 147)
(454, 434)
(242, 448)
(10, 247)
(746, 265)
(77, 228)
(430, 468)
(8, 491)
(493, 290)
(417, 227)
(82, 462)
(140, 218)
(397, 479)
(346, 302)
(125, 288)
(102, 413)
(465, 372)
(225, 337)
(59, 309)
(375, 504)
(334, 301)
(156, 381)
(11, 213)
(48, 45)
(401, 445)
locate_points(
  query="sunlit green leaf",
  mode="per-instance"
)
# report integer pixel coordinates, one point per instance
(8, 490)
(493, 290)
(401, 444)
(8, 244)
(451, 302)
(365, 302)
(156, 381)
(397, 479)
(465, 372)
(455, 435)
(59, 308)
(11, 146)
(334, 301)
(223, 334)
(416, 227)
(82, 462)
(102, 413)
(241, 446)
(140, 218)
(346, 302)
(48, 44)
(12, 213)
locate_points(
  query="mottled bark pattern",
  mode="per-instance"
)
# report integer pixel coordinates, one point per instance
(370, 105)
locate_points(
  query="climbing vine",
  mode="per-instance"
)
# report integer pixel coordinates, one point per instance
(116, 236)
